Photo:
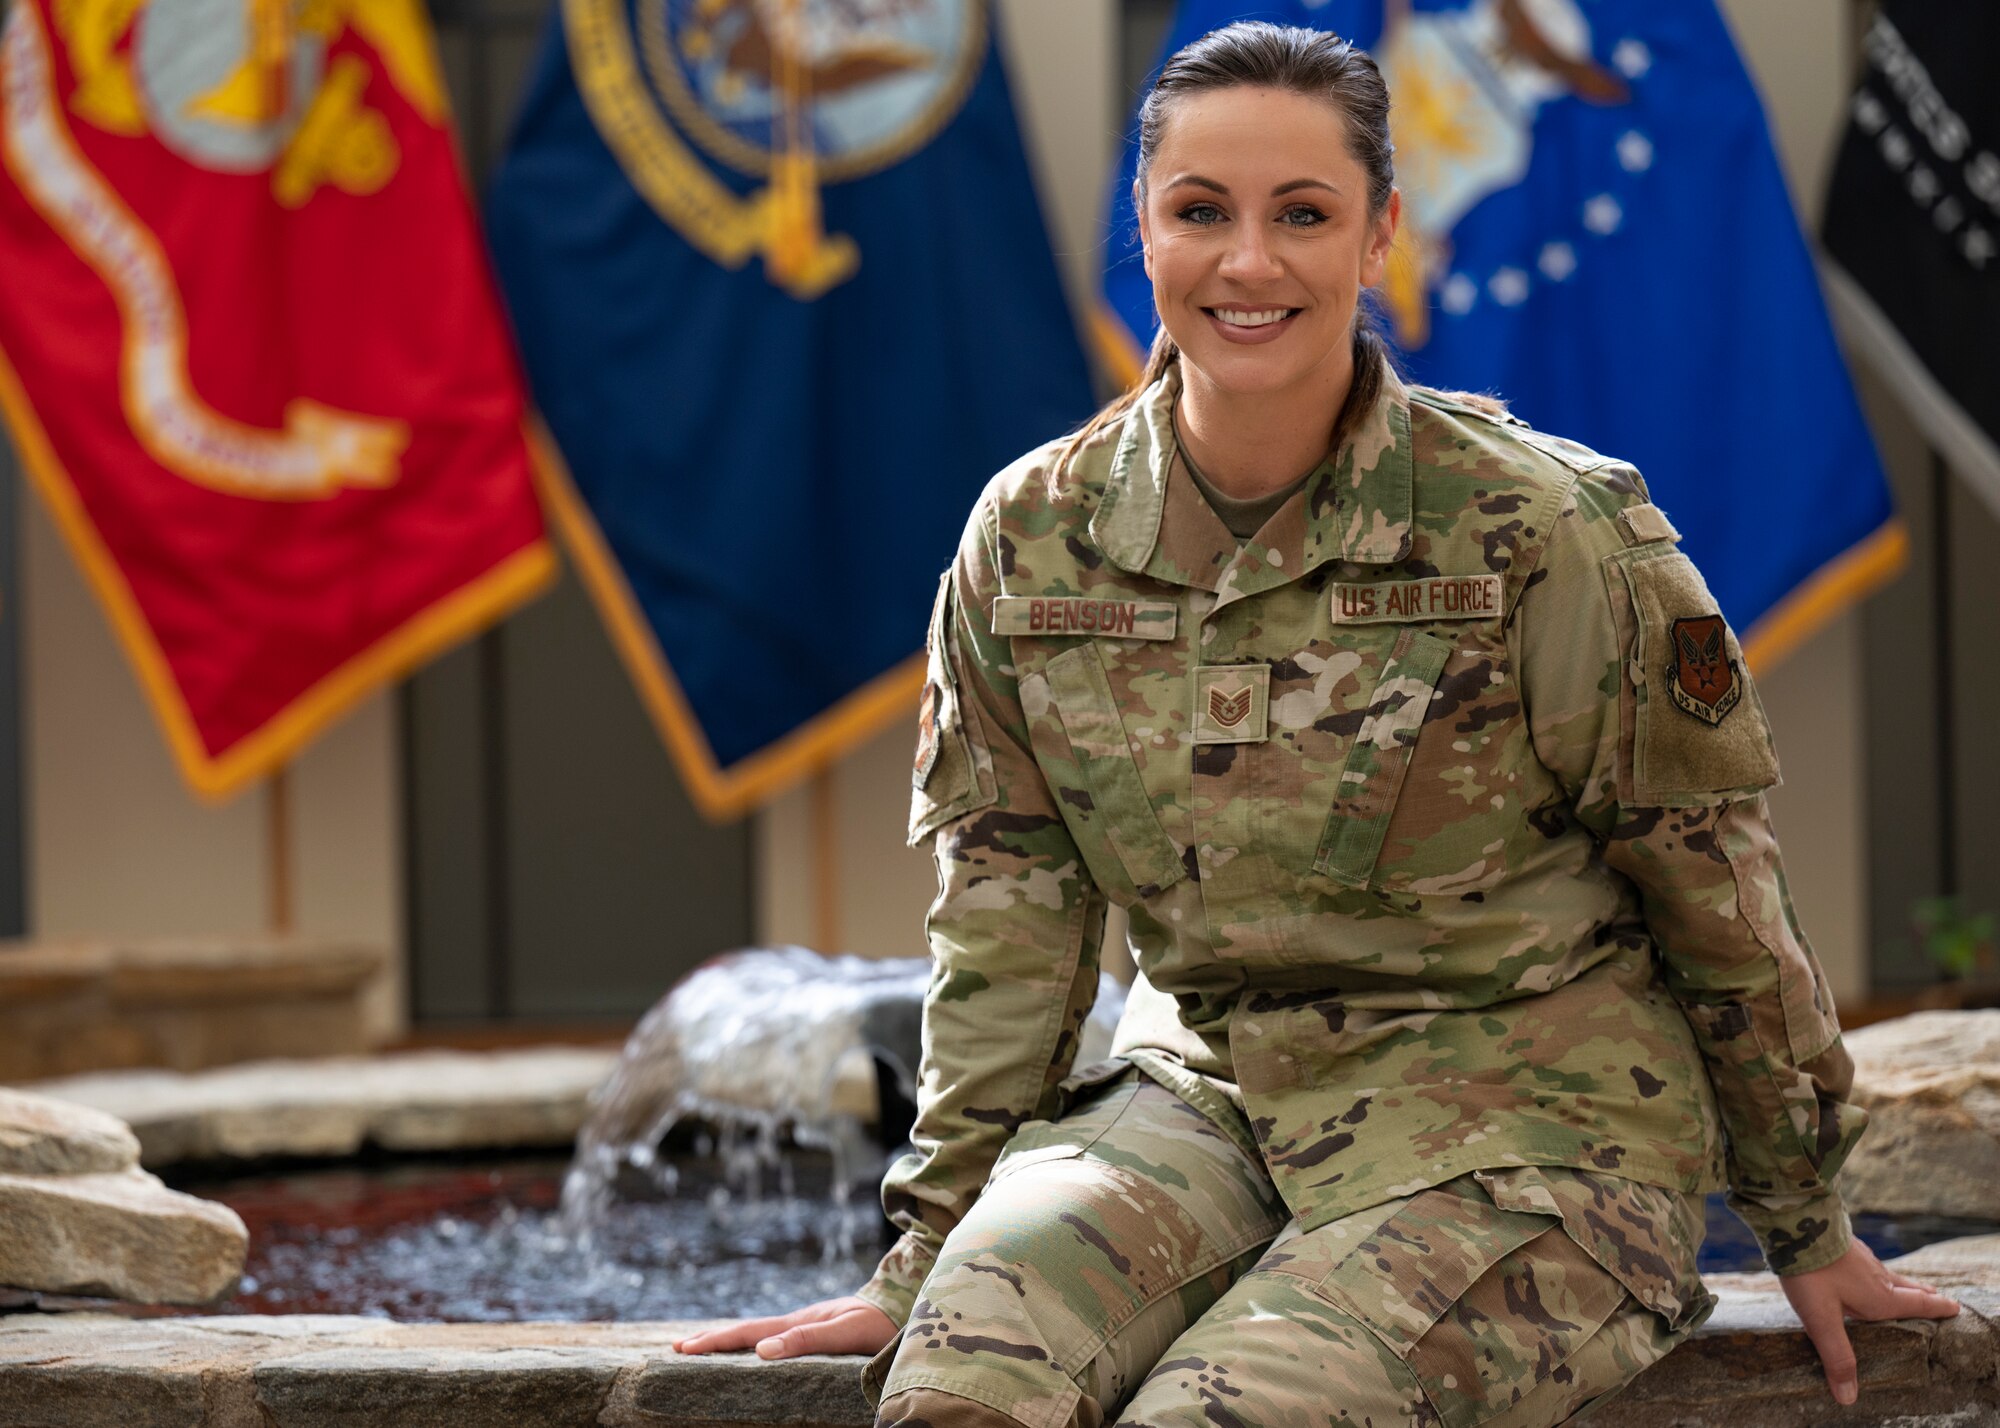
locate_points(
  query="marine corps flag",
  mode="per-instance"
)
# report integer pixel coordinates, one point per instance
(251, 355)
(786, 301)
(1595, 227)
(1912, 225)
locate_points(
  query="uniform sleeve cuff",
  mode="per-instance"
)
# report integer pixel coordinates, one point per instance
(897, 1279)
(1798, 1233)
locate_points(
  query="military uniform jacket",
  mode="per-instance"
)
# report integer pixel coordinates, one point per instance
(1435, 808)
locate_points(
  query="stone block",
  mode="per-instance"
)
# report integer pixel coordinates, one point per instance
(122, 1235)
(86, 1006)
(43, 1136)
(420, 1100)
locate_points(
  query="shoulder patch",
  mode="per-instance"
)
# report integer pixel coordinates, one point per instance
(1641, 524)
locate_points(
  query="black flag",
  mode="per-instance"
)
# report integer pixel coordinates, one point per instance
(1913, 223)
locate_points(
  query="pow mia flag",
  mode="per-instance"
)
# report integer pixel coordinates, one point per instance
(1912, 225)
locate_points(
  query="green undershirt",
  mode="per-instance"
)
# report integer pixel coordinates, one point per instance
(1242, 518)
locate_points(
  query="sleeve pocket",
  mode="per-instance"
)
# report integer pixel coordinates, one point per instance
(947, 778)
(1697, 733)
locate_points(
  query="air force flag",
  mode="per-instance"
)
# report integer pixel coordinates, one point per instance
(1595, 227)
(786, 302)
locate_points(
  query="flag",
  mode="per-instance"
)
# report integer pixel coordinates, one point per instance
(1912, 226)
(786, 302)
(251, 355)
(1595, 227)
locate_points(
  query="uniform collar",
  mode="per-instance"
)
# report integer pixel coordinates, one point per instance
(1355, 506)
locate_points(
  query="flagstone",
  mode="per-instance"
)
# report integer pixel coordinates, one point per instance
(332, 1106)
(1930, 1083)
(1750, 1366)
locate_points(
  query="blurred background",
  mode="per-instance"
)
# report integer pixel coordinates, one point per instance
(502, 847)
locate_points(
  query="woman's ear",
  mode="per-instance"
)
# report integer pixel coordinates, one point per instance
(1145, 228)
(1382, 238)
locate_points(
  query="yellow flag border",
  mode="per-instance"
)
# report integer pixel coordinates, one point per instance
(719, 793)
(215, 778)
(1814, 603)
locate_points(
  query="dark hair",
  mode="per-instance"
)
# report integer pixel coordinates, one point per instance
(1314, 63)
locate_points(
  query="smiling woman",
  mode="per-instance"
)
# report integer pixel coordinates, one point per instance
(1470, 957)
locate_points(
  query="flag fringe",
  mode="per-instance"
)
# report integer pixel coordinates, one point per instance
(719, 793)
(1116, 347)
(480, 602)
(1829, 592)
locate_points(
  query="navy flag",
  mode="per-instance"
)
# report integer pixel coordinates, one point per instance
(786, 301)
(1912, 226)
(1596, 228)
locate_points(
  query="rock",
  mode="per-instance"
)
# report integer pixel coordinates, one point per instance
(123, 1235)
(430, 1100)
(1931, 1086)
(43, 1136)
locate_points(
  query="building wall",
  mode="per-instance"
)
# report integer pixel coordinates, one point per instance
(117, 845)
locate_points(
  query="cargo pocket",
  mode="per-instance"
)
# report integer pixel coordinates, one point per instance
(1372, 778)
(1480, 1302)
(1117, 816)
(1646, 1236)
(1697, 732)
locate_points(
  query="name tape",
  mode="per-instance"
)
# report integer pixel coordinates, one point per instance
(1080, 615)
(1441, 597)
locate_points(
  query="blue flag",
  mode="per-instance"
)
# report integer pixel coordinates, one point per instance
(786, 301)
(1595, 227)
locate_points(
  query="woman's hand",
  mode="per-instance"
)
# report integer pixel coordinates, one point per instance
(832, 1326)
(1857, 1286)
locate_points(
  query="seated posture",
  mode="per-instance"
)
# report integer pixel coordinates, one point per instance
(1430, 780)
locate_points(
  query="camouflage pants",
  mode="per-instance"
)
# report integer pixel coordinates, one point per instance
(1132, 1263)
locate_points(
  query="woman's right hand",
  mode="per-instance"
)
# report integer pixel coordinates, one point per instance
(832, 1326)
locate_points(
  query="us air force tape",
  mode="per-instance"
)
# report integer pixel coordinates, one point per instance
(1083, 615)
(1440, 597)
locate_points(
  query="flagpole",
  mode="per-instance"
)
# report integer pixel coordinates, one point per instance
(826, 862)
(278, 848)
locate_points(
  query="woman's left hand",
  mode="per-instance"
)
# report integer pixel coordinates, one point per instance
(1857, 1286)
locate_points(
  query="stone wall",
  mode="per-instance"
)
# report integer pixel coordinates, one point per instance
(93, 1006)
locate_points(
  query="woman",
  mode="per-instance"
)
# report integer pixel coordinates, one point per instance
(1431, 782)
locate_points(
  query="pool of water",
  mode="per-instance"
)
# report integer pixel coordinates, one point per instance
(485, 1242)
(472, 1240)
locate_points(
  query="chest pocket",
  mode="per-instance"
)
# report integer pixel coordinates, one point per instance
(1427, 799)
(1365, 795)
(1107, 809)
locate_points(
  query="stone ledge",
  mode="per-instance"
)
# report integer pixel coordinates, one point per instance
(1750, 1366)
(407, 1101)
(82, 1006)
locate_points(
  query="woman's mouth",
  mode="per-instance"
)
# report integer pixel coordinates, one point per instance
(1251, 324)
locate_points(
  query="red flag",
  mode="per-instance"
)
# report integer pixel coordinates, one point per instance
(251, 354)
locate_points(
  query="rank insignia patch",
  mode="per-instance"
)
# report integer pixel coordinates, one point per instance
(1231, 703)
(1701, 676)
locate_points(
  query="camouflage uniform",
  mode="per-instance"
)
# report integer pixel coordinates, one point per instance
(1436, 811)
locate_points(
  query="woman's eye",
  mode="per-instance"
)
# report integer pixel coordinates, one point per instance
(1201, 214)
(1302, 215)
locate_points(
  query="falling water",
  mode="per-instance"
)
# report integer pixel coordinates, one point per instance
(764, 1050)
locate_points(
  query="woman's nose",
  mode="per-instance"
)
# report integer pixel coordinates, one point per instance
(1249, 257)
